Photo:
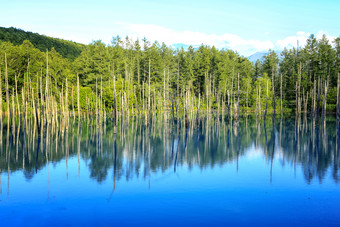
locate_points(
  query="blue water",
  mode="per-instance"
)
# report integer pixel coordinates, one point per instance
(243, 174)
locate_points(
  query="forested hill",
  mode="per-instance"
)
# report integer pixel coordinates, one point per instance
(67, 49)
(150, 75)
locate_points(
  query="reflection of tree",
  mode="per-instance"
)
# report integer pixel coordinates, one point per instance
(29, 173)
(99, 167)
(154, 148)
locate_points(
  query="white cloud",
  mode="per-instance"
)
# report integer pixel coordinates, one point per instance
(245, 47)
(292, 41)
(169, 36)
(329, 37)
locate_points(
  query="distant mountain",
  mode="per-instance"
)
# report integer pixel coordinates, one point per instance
(67, 49)
(259, 56)
(185, 46)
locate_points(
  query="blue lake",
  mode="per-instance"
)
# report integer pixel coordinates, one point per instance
(249, 173)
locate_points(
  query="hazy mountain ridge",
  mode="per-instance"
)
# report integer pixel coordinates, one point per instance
(259, 56)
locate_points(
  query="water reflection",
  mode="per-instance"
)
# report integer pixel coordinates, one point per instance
(139, 149)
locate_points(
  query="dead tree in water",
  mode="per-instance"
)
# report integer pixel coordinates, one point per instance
(0, 100)
(338, 103)
(273, 77)
(314, 99)
(198, 110)
(238, 95)
(325, 100)
(149, 98)
(186, 112)
(265, 112)
(228, 114)
(78, 100)
(36, 115)
(173, 111)
(296, 99)
(281, 96)
(318, 104)
(7, 92)
(114, 104)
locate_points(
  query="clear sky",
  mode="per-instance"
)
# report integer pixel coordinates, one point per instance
(242, 25)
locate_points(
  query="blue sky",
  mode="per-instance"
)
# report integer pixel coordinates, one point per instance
(242, 25)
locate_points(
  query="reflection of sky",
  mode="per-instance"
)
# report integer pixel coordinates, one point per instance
(218, 194)
(234, 186)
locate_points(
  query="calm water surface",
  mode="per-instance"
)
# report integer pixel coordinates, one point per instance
(278, 173)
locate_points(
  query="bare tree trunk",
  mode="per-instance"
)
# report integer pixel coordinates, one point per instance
(198, 110)
(338, 103)
(318, 104)
(238, 95)
(78, 99)
(274, 104)
(281, 96)
(16, 94)
(265, 112)
(247, 98)
(149, 98)
(7, 92)
(260, 100)
(325, 100)
(73, 113)
(164, 106)
(228, 114)
(173, 111)
(296, 99)
(314, 99)
(0, 99)
(115, 104)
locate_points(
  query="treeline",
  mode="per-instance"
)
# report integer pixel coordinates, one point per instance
(138, 77)
(67, 49)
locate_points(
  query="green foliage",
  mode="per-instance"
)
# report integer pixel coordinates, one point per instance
(204, 71)
(67, 49)
(85, 94)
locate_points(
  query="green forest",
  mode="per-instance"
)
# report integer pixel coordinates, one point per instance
(67, 49)
(129, 77)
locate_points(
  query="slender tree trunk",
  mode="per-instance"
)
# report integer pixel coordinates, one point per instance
(149, 98)
(228, 114)
(13, 107)
(78, 98)
(164, 106)
(260, 104)
(281, 96)
(265, 112)
(173, 111)
(23, 108)
(247, 105)
(186, 112)
(198, 110)
(73, 113)
(325, 100)
(7, 92)
(338, 103)
(318, 104)
(273, 86)
(296, 98)
(115, 104)
(0, 99)
(101, 109)
(16, 94)
(314, 99)
(238, 95)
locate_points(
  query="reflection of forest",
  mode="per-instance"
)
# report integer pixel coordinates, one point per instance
(139, 149)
